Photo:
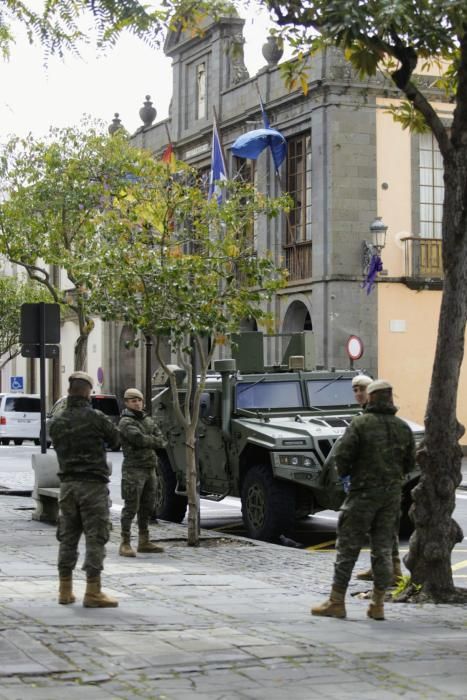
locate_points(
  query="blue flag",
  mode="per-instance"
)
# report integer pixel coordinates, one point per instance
(251, 144)
(218, 172)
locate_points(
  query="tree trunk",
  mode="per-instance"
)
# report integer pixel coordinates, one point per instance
(436, 533)
(81, 353)
(85, 325)
(192, 487)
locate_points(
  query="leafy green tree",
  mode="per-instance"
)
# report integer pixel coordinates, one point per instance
(13, 293)
(396, 37)
(58, 24)
(52, 193)
(172, 264)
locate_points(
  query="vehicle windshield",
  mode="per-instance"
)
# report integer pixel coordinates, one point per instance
(330, 392)
(266, 394)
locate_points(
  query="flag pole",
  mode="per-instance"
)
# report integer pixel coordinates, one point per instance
(168, 133)
(276, 170)
(267, 126)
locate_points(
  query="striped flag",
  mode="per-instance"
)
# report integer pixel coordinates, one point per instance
(168, 157)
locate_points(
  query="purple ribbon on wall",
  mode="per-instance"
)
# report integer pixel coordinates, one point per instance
(376, 265)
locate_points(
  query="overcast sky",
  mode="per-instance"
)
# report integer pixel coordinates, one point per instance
(32, 98)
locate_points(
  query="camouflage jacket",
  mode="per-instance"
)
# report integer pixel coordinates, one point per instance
(140, 438)
(79, 435)
(376, 450)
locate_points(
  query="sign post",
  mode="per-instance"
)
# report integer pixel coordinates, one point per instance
(40, 329)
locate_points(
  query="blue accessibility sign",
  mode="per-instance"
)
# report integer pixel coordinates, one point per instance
(17, 383)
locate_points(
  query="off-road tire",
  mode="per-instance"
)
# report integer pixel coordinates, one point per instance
(268, 505)
(168, 505)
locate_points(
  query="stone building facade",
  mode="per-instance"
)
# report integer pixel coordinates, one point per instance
(347, 163)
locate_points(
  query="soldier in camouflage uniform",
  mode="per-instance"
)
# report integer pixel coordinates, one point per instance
(140, 438)
(376, 451)
(360, 385)
(79, 434)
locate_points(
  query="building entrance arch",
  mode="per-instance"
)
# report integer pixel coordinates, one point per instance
(297, 318)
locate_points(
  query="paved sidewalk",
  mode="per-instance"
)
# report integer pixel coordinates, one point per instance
(228, 620)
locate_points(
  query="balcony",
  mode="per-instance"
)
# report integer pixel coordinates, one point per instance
(298, 260)
(423, 261)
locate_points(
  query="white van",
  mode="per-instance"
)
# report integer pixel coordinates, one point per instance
(20, 418)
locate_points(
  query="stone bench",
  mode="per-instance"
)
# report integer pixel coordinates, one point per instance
(47, 486)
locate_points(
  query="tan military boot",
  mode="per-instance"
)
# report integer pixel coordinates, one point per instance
(366, 575)
(94, 598)
(65, 590)
(126, 549)
(396, 570)
(376, 607)
(145, 545)
(334, 606)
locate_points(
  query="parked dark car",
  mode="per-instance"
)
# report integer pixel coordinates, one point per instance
(107, 403)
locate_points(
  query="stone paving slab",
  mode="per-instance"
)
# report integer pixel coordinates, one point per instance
(227, 620)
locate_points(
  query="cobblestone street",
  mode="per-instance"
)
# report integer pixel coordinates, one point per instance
(227, 620)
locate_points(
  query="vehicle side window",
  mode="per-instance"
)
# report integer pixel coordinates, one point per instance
(22, 404)
(109, 406)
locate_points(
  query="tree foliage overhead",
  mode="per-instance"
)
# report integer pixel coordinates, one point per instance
(168, 261)
(52, 191)
(59, 24)
(395, 36)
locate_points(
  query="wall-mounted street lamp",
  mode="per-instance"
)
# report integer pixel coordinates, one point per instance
(371, 253)
(378, 230)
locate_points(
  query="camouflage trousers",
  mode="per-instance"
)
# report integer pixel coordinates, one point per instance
(373, 513)
(139, 495)
(83, 508)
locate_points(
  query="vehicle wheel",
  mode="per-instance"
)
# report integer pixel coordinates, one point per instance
(268, 505)
(169, 505)
(406, 526)
(37, 442)
(4, 441)
(17, 441)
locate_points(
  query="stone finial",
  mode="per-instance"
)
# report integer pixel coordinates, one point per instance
(116, 124)
(147, 112)
(272, 50)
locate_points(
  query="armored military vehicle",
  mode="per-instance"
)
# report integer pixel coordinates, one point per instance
(264, 435)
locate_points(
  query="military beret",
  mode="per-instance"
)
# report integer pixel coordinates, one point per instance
(361, 380)
(378, 385)
(82, 375)
(133, 394)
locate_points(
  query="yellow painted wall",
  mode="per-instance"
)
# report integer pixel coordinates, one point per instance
(405, 352)
(406, 356)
